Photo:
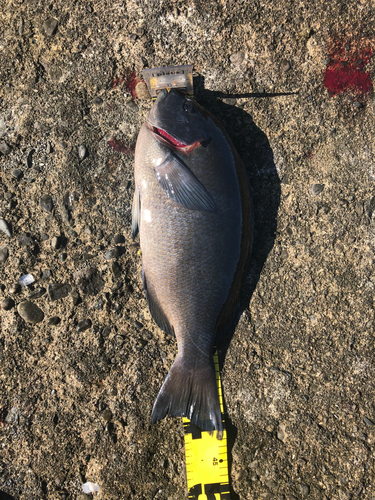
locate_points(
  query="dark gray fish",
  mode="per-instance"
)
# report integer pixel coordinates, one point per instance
(192, 210)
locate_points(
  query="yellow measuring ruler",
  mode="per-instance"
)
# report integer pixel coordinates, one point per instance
(207, 457)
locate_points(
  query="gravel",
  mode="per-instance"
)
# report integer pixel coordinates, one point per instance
(4, 227)
(58, 291)
(17, 173)
(5, 149)
(57, 242)
(4, 254)
(46, 202)
(7, 304)
(30, 312)
(37, 293)
(50, 26)
(83, 325)
(82, 152)
(317, 189)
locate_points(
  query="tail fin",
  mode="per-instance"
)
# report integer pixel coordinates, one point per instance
(190, 393)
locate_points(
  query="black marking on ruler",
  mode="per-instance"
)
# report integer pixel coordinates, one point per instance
(192, 429)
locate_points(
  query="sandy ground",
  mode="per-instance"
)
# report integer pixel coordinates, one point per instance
(77, 387)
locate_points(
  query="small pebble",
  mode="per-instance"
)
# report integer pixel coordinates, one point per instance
(138, 325)
(16, 288)
(17, 173)
(230, 101)
(285, 65)
(46, 203)
(317, 189)
(237, 58)
(112, 253)
(116, 270)
(271, 484)
(5, 228)
(304, 489)
(4, 254)
(50, 26)
(3, 127)
(133, 37)
(37, 293)
(48, 148)
(44, 236)
(46, 273)
(7, 304)
(58, 291)
(63, 256)
(107, 415)
(75, 298)
(98, 101)
(119, 238)
(56, 242)
(72, 233)
(106, 331)
(99, 305)
(30, 312)
(82, 152)
(141, 91)
(4, 148)
(25, 240)
(357, 105)
(29, 158)
(368, 422)
(281, 433)
(13, 416)
(20, 26)
(55, 320)
(84, 325)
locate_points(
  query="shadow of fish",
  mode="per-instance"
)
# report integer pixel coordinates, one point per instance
(192, 209)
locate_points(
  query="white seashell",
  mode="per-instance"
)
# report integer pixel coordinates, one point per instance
(90, 487)
(26, 280)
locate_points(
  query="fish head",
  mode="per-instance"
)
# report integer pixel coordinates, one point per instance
(178, 122)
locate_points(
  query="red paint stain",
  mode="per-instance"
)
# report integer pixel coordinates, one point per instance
(119, 146)
(129, 81)
(346, 68)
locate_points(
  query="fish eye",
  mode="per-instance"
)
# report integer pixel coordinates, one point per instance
(189, 107)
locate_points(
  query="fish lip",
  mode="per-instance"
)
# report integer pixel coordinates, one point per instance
(186, 148)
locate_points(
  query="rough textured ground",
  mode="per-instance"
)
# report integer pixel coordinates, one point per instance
(76, 392)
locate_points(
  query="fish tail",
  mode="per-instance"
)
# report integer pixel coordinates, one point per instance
(192, 393)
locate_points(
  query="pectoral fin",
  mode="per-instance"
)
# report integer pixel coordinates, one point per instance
(182, 186)
(136, 213)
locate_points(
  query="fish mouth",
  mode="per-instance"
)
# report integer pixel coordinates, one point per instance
(168, 140)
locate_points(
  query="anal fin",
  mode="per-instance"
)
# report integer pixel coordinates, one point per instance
(136, 213)
(156, 310)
